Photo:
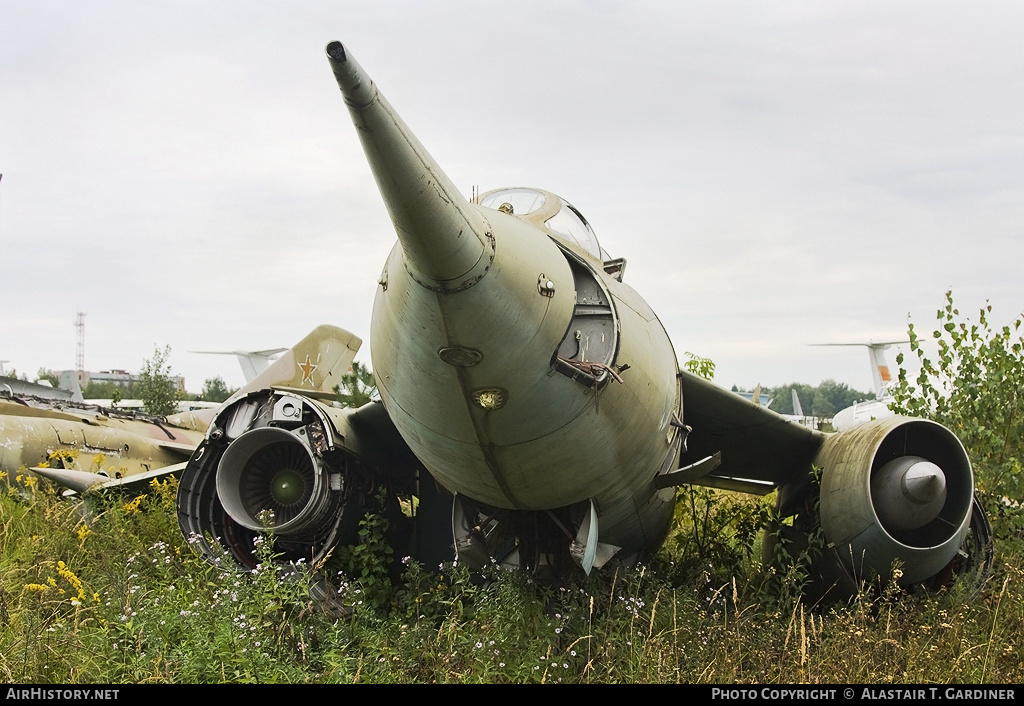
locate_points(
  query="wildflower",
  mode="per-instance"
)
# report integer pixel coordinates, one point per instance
(70, 577)
(132, 506)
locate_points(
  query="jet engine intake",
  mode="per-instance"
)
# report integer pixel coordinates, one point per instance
(895, 490)
(270, 478)
(273, 462)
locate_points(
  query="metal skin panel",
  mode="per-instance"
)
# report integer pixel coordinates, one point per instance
(555, 442)
(467, 278)
(29, 441)
(420, 198)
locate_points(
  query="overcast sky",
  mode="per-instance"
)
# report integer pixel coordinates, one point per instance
(776, 173)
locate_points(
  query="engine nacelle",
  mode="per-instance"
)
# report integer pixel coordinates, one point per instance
(895, 489)
(279, 463)
(275, 478)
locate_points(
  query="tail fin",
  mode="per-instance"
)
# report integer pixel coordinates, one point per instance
(313, 366)
(252, 362)
(879, 368)
(880, 374)
(798, 409)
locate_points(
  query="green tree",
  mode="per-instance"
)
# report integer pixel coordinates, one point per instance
(156, 387)
(107, 390)
(782, 397)
(975, 388)
(216, 390)
(49, 376)
(832, 396)
(704, 367)
(356, 387)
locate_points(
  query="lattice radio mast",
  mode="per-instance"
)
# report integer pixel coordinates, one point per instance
(80, 349)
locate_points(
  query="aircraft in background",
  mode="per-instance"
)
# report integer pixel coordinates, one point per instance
(878, 408)
(79, 445)
(83, 446)
(533, 404)
(798, 415)
(252, 362)
(11, 387)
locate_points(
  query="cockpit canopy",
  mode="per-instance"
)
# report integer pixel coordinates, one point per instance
(547, 211)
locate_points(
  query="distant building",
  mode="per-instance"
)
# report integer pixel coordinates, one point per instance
(121, 378)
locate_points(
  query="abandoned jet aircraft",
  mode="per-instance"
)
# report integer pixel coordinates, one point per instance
(79, 445)
(83, 446)
(533, 403)
(877, 408)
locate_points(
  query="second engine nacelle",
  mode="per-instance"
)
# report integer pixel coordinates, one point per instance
(291, 466)
(895, 489)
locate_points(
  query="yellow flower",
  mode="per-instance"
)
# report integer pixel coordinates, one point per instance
(83, 532)
(36, 587)
(133, 505)
(70, 577)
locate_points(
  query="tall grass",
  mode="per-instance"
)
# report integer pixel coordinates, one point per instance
(110, 593)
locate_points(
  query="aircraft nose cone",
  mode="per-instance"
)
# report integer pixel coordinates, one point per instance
(445, 239)
(908, 493)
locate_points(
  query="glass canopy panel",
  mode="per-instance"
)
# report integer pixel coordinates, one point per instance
(523, 201)
(571, 225)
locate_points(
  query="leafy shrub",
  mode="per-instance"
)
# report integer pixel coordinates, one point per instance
(975, 387)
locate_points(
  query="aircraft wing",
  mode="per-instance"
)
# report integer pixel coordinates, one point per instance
(759, 449)
(84, 481)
